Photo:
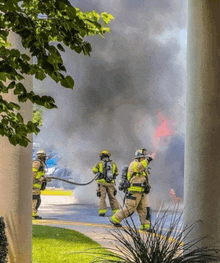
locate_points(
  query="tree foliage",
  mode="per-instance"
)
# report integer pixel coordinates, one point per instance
(37, 116)
(45, 38)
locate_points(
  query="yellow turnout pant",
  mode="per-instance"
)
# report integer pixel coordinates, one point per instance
(136, 202)
(108, 189)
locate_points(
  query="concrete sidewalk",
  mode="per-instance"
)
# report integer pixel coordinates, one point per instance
(65, 212)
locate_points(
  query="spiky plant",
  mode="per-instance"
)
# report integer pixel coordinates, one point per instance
(3, 242)
(164, 244)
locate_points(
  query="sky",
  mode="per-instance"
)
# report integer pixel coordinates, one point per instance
(133, 83)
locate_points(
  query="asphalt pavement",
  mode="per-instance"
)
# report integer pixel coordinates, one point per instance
(65, 212)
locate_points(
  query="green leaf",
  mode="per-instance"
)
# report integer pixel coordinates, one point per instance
(52, 50)
(48, 99)
(95, 15)
(11, 85)
(14, 105)
(31, 126)
(77, 49)
(49, 105)
(20, 118)
(3, 76)
(40, 75)
(15, 53)
(13, 139)
(60, 47)
(19, 77)
(67, 82)
(25, 57)
(5, 122)
(55, 76)
(24, 142)
(107, 17)
(71, 12)
(20, 89)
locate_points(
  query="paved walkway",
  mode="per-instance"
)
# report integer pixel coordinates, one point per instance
(65, 212)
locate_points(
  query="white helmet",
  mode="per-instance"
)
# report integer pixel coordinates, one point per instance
(140, 153)
(41, 154)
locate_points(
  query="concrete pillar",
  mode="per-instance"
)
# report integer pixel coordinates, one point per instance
(16, 184)
(202, 150)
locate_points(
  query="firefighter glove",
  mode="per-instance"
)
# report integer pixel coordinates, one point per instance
(147, 189)
(98, 193)
(43, 186)
(47, 179)
(115, 192)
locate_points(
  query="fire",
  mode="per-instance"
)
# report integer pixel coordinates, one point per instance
(164, 129)
(173, 196)
(163, 132)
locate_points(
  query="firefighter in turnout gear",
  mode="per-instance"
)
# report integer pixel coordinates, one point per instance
(39, 181)
(136, 188)
(107, 171)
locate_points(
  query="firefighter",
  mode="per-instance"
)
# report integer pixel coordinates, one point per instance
(39, 181)
(136, 193)
(106, 170)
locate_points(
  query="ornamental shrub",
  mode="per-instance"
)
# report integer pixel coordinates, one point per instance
(3, 242)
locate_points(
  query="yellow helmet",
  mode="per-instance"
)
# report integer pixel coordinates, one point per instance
(105, 152)
(41, 154)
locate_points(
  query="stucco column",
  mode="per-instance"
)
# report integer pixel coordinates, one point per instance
(202, 151)
(16, 184)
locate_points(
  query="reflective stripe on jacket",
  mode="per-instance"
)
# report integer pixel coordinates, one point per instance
(99, 167)
(136, 174)
(37, 175)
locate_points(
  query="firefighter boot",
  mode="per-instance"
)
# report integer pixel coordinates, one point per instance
(145, 227)
(115, 221)
(102, 212)
(102, 215)
(35, 216)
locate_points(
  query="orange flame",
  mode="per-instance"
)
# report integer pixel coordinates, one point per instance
(163, 130)
(174, 197)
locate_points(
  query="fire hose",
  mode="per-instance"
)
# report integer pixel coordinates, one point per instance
(70, 182)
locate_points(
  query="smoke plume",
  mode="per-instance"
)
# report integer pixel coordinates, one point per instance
(133, 73)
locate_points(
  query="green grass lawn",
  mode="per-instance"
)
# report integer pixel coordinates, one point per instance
(56, 245)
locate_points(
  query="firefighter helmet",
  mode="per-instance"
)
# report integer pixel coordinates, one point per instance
(41, 154)
(140, 153)
(105, 153)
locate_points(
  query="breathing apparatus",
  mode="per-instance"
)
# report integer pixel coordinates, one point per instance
(124, 183)
(107, 169)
